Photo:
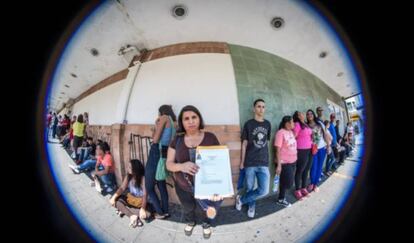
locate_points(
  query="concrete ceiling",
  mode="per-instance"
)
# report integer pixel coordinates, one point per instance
(150, 24)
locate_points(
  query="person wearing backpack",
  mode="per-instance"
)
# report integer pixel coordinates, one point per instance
(163, 134)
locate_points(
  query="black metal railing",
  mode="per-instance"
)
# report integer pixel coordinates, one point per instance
(139, 147)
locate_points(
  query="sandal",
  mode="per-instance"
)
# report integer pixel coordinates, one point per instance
(133, 221)
(188, 230)
(119, 213)
(207, 232)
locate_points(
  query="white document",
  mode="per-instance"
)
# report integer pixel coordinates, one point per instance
(214, 175)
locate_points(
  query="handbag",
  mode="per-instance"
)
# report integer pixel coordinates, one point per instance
(161, 172)
(314, 149)
(133, 200)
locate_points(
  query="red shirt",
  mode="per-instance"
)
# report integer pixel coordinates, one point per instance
(49, 119)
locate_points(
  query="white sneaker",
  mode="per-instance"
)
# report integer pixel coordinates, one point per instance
(98, 187)
(251, 212)
(238, 203)
(109, 189)
(74, 168)
(73, 155)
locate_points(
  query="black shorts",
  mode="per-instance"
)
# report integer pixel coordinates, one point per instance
(77, 141)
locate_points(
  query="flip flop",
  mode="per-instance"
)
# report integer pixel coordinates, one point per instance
(188, 230)
(119, 213)
(207, 232)
(139, 223)
(133, 222)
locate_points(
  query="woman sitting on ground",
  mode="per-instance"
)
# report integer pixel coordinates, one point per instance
(134, 203)
(104, 169)
(89, 162)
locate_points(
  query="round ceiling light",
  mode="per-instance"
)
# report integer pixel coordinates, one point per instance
(179, 11)
(277, 23)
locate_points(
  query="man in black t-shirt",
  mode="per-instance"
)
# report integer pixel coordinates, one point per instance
(255, 158)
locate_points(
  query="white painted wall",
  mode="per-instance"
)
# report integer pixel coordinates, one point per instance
(205, 80)
(101, 105)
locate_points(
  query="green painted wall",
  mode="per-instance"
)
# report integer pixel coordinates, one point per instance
(283, 85)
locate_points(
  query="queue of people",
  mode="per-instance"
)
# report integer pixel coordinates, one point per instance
(307, 147)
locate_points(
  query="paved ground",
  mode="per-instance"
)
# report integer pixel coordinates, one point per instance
(272, 224)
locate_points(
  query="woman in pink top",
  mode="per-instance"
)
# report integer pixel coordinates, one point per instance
(104, 169)
(303, 134)
(285, 157)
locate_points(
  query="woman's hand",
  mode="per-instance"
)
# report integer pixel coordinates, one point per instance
(112, 201)
(189, 168)
(216, 198)
(278, 169)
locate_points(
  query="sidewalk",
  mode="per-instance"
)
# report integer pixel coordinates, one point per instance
(300, 222)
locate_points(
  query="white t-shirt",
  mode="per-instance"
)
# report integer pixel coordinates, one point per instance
(322, 143)
(350, 130)
(135, 191)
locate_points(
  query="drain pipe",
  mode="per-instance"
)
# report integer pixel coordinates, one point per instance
(130, 85)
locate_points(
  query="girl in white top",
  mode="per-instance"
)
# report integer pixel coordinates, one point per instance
(319, 137)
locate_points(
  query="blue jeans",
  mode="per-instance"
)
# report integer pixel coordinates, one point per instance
(263, 176)
(87, 165)
(316, 169)
(150, 182)
(84, 153)
(330, 161)
(108, 180)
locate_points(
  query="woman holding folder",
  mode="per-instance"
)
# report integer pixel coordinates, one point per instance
(181, 161)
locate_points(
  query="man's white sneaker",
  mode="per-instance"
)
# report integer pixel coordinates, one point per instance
(74, 168)
(251, 212)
